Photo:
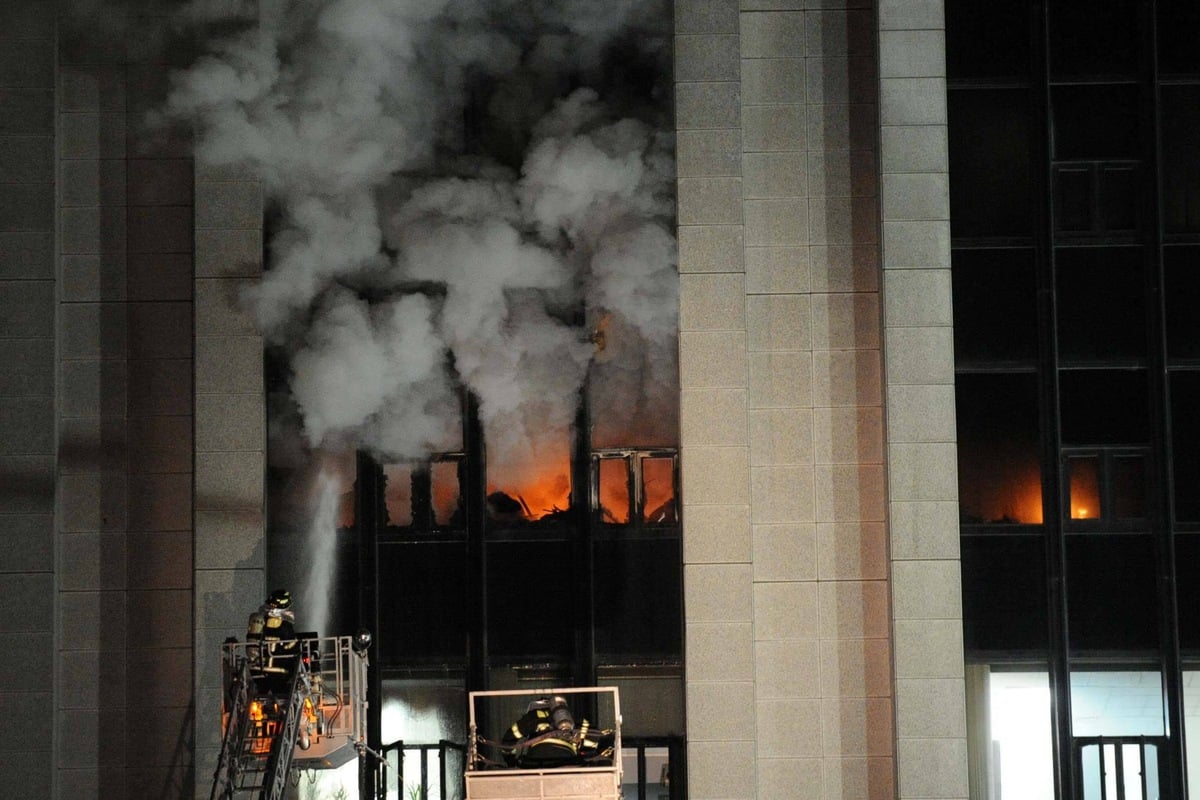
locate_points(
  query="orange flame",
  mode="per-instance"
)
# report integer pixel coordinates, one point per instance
(540, 495)
(1005, 488)
(541, 487)
(658, 486)
(1085, 486)
(614, 490)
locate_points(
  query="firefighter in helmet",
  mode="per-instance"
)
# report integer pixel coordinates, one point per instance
(546, 736)
(273, 627)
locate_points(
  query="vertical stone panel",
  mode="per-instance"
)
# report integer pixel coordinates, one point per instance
(27, 396)
(919, 376)
(809, 169)
(802, 323)
(230, 436)
(716, 397)
(125, 419)
(93, 434)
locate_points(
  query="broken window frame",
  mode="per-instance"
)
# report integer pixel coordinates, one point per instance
(634, 459)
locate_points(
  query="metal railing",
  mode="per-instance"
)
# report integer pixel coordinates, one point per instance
(450, 784)
(1120, 767)
(450, 776)
(673, 777)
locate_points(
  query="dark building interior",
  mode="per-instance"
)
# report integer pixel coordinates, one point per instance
(1075, 251)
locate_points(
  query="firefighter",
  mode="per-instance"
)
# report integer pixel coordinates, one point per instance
(279, 621)
(273, 626)
(547, 736)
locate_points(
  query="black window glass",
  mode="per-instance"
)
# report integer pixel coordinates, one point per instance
(1100, 310)
(989, 137)
(1180, 111)
(995, 306)
(1181, 295)
(1178, 33)
(531, 604)
(628, 626)
(1103, 406)
(1118, 198)
(1187, 588)
(1185, 444)
(986, 40)
(1096, 198)
(424, 613)
(1092, 37)
(1074, 200)
(1111, 597)
(1129, 486)
(1004, 594)
(999, 472)
(1094, 121)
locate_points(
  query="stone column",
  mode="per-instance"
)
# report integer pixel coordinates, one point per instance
(230, 437)
(786, 573)
(715, 396)
(124, 657)
(28, 287)
(919, 368)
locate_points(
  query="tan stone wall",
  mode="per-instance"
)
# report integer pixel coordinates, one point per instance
(230, 438)
(28, 286)
(106, 236)
(919, 375)
(785, 543)
(124, 209)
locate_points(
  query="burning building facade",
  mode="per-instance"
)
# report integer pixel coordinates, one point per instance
(652, 313)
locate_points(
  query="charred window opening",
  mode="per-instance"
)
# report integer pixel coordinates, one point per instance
(425, 496)
(637, 488)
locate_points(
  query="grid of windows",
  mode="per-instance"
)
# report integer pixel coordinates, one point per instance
(1075, 221)
(476, 584)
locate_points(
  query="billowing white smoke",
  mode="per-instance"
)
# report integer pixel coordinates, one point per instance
(383, 363)
(350, 112)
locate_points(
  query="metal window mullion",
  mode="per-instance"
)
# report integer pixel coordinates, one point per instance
(1161, 510)
(370, 517)
(1067, 760)
(1144, 747)
(583, 556)
(474, 491)
(1119, 762)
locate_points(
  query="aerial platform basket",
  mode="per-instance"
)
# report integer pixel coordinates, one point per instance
(310, 714)
(601, 781)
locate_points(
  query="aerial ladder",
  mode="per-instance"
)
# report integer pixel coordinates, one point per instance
(314, 719)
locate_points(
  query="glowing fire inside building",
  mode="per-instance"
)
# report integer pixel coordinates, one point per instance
(472, 363)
